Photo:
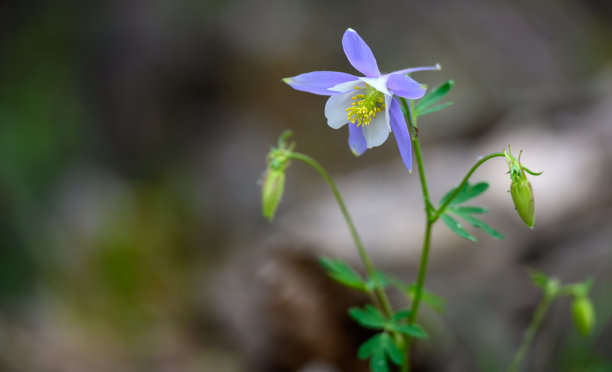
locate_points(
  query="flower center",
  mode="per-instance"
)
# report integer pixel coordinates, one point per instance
(367, 103)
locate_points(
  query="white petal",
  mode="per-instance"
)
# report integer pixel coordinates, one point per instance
(345, 87)
(377, 131)
(335, 109)
(379, 83)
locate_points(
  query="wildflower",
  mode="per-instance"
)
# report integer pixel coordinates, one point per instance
(365, 103)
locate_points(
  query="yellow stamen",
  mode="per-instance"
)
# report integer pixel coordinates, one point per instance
(366, 105)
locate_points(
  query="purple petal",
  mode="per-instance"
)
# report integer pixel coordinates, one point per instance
(318, 82)
(405, 86)
(415, 69)
(400, 131)
(359, 54)
(357, 141)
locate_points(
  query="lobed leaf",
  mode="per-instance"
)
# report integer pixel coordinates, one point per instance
(481, 225)
(433, 96)
(413, 330)
(379, 348)
(467, 209)
(369, 317)
(378, 362)
(538, 278)
(432, 300)
(342, 273)
(431, 109)
(369, 347)
(400, 315)
(467, 192)
(394, 352)
(456, 227)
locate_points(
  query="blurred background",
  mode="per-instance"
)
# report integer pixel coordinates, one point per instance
(133, 134)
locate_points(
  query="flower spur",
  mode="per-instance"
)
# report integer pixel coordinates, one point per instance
(365, 103)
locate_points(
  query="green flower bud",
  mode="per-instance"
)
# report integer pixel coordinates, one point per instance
(522, 196)
(520, 189)
(272, 191)
(583, 314)
(273, 181)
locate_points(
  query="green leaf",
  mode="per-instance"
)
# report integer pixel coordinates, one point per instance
(481, 225)
(467, 192)
(432, 300)
(396, 324)
(341, 272)
(433, 96)
(468, 209)
(379, 348)
(413, 330)
(431, 109)
(538, 278)
(370, 346)
(455, 227)
(379, 363)
(400, 315)
(369, 317)
(382, 278)
(394, 353)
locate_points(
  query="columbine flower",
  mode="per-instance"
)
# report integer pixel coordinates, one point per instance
(366, 103)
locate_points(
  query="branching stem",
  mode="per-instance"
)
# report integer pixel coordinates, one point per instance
(432, 215)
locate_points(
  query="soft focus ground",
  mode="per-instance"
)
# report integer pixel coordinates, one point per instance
(133, 133)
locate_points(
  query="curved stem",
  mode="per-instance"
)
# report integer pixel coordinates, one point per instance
(531, 331)
(380, 293)
(463, 182)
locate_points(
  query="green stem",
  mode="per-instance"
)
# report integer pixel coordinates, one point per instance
(531, 331)
(432, 216)
(426, 240)
(429, 211)
(380, 293)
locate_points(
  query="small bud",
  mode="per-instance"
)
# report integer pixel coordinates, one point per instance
(273, 180)
(272, 191)
(520, 189)
(522, 196)
(583, 314)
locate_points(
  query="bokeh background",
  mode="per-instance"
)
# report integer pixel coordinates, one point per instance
(133, 134)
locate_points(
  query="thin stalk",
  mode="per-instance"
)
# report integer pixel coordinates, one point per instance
(429, 212)
(426, 240)
(419, 158)
(380, 293)
(531, 331)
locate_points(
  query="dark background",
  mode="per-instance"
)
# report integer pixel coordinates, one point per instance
(133, 134)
